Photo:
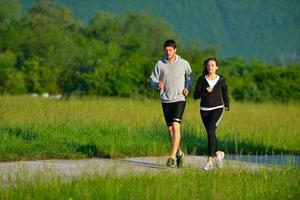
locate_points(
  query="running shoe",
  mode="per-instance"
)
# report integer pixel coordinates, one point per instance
(179, 159)
(219, 159)
(208, 166)
(171, 162)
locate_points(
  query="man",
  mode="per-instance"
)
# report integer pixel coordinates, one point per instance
(173, 76)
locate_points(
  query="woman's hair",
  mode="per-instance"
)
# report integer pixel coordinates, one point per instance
(205, 72)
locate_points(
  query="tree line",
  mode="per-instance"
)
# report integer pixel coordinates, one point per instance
(48, 49)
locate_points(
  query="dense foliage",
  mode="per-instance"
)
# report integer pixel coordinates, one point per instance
(50, 50)
(248, 28)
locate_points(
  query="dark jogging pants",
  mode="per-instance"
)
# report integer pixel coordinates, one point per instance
(211, 119)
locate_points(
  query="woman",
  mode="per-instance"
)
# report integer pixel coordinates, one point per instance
(211, 88)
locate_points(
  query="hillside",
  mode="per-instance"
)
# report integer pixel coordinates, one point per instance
(251, 29)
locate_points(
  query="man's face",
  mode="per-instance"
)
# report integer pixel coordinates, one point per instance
(170, 52)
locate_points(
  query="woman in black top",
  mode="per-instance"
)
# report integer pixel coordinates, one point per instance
(211, 88)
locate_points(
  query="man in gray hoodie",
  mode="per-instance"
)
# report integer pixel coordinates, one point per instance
(173, 76)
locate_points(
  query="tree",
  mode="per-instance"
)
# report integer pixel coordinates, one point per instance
(9, 11)
(11, 80)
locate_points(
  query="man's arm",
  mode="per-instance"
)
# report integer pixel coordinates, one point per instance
(188, 81)
(189, 77)
(155, 76)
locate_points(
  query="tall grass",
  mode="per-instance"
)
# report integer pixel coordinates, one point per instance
(36, 128)
(225, 184)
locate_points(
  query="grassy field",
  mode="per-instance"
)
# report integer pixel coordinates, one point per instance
(36, 128)
(225, 184)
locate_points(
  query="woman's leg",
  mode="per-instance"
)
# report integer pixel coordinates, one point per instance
(205, 116)
(216, 116)
(210, 120)
(206, 119)
(212, 140)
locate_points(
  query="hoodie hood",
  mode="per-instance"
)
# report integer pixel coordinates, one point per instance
(165, 60)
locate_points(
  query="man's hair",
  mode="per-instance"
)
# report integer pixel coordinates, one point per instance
(170, 43)
(205, 71)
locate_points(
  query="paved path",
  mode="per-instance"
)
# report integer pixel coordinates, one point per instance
(68, 169)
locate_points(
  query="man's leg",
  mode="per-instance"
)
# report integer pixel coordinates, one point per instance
(171, 162)
(175, 138)
(172, 138)
(173, 114)
(177, 118)
(170, 130)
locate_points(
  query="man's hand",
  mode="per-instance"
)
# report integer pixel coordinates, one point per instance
(185, 92)
(161, 85)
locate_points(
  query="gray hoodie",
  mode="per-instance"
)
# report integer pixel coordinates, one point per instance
(176, 75)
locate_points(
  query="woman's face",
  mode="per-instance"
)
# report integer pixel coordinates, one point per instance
(212, 67)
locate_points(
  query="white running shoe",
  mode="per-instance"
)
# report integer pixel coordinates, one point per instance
(208, 166)
(219, 159)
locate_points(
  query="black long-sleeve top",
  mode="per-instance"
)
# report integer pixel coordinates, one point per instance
(218, 96)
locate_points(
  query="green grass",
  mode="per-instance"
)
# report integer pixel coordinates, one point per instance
(36, 128)
(225, 184)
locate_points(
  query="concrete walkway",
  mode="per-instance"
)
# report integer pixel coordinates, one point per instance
(10, 172)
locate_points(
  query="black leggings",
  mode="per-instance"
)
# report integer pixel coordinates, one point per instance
(211, 120)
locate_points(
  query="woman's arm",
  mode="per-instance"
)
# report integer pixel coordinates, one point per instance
(225, 95)
(197, 91)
